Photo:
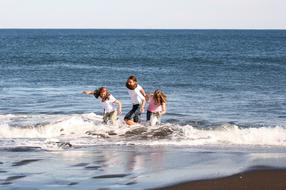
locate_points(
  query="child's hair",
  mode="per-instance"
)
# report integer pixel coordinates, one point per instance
(160, 97)
(132, 77)
(97, 93)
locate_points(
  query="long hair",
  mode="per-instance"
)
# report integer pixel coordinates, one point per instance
(159, 97)
(132, 77)
(98, 93)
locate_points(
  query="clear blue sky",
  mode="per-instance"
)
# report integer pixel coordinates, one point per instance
(188, 14)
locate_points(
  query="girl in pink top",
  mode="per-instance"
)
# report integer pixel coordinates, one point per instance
(157, 106)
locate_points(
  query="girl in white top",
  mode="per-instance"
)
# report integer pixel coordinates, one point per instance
(108, 103)
(137, 95)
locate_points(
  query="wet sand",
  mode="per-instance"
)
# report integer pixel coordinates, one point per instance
(250, 180)
(142, 167)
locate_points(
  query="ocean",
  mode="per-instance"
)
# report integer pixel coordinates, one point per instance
(226, 109)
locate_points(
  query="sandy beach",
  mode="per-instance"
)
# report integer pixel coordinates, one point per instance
(135, 167)
(250, 180)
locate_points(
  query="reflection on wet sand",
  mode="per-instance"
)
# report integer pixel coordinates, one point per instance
(137, 161)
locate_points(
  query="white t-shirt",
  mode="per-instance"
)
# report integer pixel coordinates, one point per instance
(108, 105)
(136, 95)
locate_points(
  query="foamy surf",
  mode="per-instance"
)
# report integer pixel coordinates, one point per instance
(50, 132)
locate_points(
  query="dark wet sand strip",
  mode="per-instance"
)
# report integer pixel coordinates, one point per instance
(73, 183)
(12, 178)
(250, 180)
(9, 179)
(24, 162)
(92, 167)
(80, 165)
(110, 176)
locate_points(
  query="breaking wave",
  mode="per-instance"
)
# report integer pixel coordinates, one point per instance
(50, 132)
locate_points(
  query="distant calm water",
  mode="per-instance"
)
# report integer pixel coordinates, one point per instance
(236, 76)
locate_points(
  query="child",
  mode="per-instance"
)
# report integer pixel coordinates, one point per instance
(137, 95)
(108, 103)
(157, 106)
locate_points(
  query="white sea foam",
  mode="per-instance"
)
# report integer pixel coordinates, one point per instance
(190, 136)
(50, 131)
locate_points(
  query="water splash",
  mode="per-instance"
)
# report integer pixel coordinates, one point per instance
(51, 132)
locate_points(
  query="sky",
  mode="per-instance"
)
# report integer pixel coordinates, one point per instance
(144, 14)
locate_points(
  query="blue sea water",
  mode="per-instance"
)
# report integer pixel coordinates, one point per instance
(226, 106)
(234, 76)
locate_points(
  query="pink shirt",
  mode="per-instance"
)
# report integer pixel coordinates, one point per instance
(153, 107)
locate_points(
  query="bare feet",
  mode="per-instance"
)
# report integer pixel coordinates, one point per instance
(129, 122)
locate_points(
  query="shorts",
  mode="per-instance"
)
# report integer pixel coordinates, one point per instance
(134, 113)
(112, 116)
(154, 118)
(148, 115)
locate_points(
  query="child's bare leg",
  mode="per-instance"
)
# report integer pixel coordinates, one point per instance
(113, 117)
(105, 118)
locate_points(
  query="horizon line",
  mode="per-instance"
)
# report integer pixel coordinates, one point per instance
(93, 28)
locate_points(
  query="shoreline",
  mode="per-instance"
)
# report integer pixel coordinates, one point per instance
(261, 179)
(139, 167)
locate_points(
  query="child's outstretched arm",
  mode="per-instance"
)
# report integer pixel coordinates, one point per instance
(148, 96)
(143, 92)
(119, 106)
(164, 109)
(88, 92)
(142, 106)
